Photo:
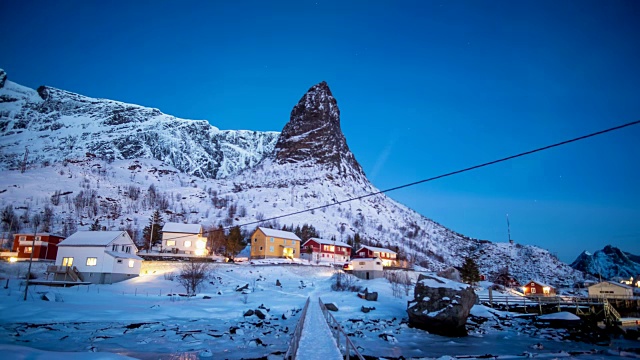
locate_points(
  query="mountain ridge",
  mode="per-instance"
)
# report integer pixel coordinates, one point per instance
(169, 170)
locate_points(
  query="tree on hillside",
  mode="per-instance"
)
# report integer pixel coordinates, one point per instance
(216, 239)
(234, 243)
(95, 226)
(10, 221)
(469, 272)
(152, 233)
(306, 232)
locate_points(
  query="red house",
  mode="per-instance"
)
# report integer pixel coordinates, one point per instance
(45, 246)
(535, 288)
(326, 250)
(387, 256)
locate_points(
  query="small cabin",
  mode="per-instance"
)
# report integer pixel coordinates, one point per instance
(536, 288)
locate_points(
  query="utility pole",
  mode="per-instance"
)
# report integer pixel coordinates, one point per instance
(151, 234)
(36, 222)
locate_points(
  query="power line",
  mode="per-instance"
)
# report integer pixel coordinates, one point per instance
(583, 137)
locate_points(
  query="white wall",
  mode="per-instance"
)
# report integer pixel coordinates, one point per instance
(605, 289)
(80, 255)
(180, 239)
(366, 265)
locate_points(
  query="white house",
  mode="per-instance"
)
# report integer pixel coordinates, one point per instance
(367, 268)
(184, 239)
(99, 257)
(610, 289)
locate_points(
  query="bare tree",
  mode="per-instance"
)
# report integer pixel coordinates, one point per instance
(192, 276)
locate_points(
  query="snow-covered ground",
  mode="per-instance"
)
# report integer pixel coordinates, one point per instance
(139, 318)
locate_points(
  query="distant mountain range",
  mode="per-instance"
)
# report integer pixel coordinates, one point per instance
(117, 163)
(608, 263)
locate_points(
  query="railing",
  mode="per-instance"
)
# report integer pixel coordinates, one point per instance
(295, 337)
(611, 314)
(338, 332)
(70, 271)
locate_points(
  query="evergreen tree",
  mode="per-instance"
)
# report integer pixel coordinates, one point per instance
(152, 233)
(356, 242)
(95, 226)
(469, 272)
(234, 243)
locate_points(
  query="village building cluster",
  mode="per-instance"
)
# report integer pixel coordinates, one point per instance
(104, 257)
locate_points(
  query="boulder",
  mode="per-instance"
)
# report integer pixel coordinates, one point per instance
(331, 307)
(365, 309)
(441, 306)
(260, 314)
(249, 313)
(278, 283)
(238, 288)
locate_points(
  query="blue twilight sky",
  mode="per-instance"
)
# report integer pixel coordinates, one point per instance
(424, 88)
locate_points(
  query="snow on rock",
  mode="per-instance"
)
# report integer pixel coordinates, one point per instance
(563, 315)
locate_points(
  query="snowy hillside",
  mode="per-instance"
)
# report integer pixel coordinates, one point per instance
(58, 125)
(310, 167)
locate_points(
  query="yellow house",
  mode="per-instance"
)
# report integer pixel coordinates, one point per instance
(271, 243)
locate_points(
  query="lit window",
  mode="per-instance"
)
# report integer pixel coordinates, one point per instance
(187, 243)
(28, 250)
(68, 261)
(533, 290)
(200, 244)
(171, 243)
(92, 261)
(270, 248)
(131, 263)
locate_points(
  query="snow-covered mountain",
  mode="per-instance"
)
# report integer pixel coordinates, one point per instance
(58, 125)
(117, 163)
(609, 263)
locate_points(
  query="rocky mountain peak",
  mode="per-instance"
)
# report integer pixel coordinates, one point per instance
(313, 134)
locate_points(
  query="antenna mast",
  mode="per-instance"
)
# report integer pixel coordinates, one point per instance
(509, 230)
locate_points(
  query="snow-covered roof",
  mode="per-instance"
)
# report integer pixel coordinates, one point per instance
(328, 242)
(376, 249)
(92, 238)
(279, 233)
(182, 228)
(119, 255)
(613, 283)
(539, 283)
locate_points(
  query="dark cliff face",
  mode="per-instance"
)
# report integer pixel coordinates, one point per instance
(313, 134)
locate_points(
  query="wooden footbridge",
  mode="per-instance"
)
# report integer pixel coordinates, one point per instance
(607, 309)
